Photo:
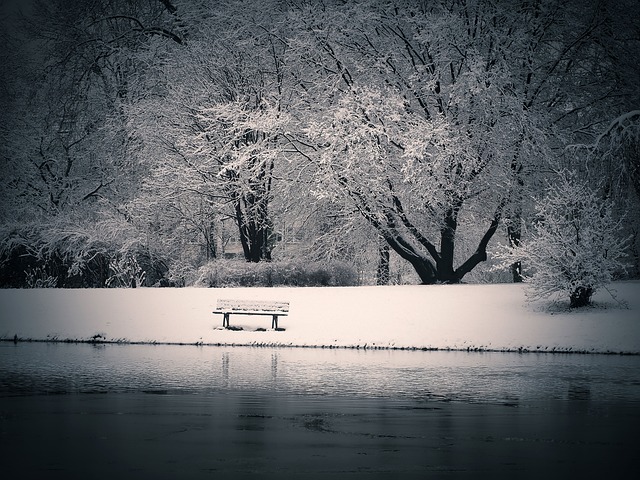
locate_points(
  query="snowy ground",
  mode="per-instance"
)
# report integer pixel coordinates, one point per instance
(460, 317)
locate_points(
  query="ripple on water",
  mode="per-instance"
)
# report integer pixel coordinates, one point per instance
(486, 377)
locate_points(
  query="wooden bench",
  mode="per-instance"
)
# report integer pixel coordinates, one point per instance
(252, 307)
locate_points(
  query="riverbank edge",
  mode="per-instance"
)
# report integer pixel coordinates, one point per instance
(479, 318)
(549, 350)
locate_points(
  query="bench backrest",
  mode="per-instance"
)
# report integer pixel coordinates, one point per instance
(252, 305)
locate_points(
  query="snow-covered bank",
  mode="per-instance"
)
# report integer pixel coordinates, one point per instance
(459, 317)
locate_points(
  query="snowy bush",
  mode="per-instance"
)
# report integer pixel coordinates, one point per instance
(75, 253)
(37, 277)
(229, 273)
(125, 272)
(179, 274)
(575, 246)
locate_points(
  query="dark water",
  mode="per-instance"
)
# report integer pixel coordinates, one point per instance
(79, 411)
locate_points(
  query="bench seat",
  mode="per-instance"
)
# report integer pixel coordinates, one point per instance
(226, 307)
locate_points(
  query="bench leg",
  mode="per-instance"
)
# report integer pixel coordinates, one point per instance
(274, 322)
(225, 320)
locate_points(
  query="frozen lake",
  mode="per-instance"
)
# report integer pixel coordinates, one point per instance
(145, 411)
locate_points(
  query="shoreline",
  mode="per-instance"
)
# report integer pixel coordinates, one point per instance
(318, 347)
(465, 317)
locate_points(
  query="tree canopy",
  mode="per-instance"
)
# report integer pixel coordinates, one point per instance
(160, 131)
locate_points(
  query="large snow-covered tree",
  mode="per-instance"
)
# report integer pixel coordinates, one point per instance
(85, 62)
(431, 121)
(78, 65)
(216, 131)
(419, 121)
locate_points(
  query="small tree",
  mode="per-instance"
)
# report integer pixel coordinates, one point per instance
(575, 247)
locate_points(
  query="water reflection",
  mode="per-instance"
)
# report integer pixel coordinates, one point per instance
(504, 378)
(274, 367)
(205, 412)
(579, 391)
(225, 368)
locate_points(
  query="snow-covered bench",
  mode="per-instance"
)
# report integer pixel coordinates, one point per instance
(252, 307)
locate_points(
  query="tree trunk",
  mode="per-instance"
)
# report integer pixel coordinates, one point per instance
(255, 242)
(382, 273)
(254, 229)
(514, 228)
(444, 264)
(514, 235)
(425, 269)
(211, 251)
(480, 255)
(442, 270)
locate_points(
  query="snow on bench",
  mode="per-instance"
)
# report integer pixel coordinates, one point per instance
(226, 307)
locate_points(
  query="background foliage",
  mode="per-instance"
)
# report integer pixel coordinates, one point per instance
(147, 142)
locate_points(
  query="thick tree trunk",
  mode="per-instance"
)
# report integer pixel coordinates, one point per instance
(254, 227)
(444, 264)
(255, 242)
(480, 255)
(441, 269)
(425, 269)
(252, 207)
(403, 237)
(514, 227)
(516, 272)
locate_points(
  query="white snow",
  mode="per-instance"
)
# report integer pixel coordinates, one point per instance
(459, 317)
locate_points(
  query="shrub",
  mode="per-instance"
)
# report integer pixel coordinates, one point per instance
(179, 274)
(230, 273)
(75, 254)
(125, 272)
(39, 278)
(575, 247)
